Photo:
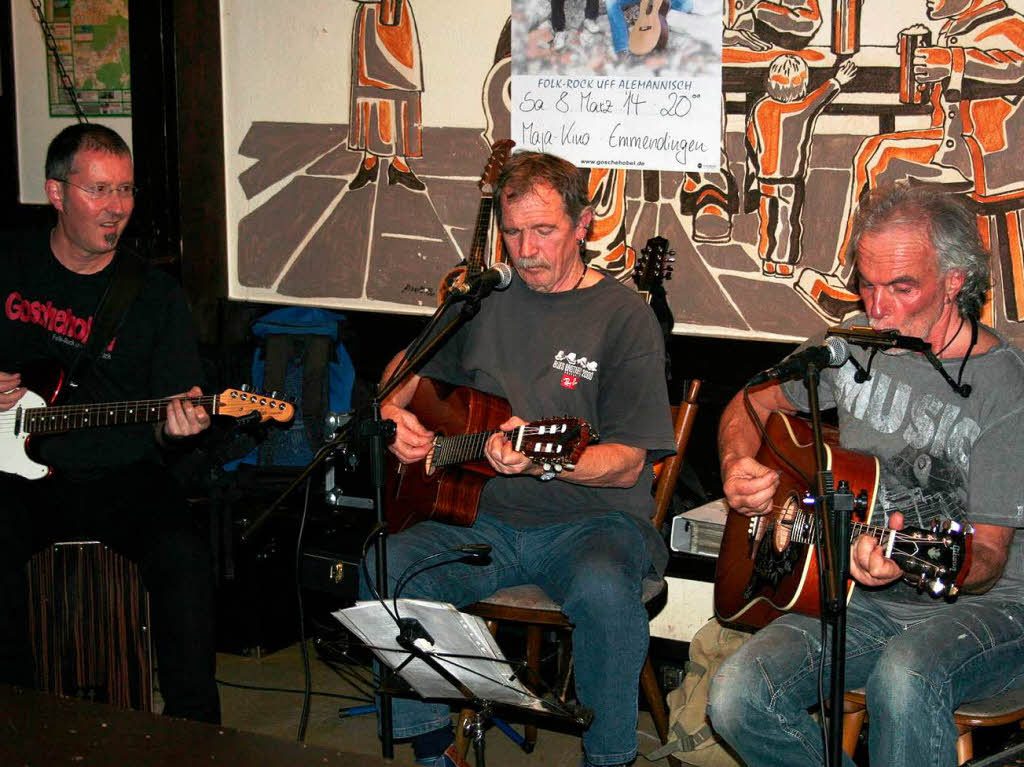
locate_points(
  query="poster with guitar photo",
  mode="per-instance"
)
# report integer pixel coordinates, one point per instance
(619, 83)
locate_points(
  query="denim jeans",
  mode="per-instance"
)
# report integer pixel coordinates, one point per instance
(915, 676)
(594, 569)
(558, 13)
(617, 19)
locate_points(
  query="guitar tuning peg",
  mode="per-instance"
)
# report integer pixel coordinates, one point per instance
(245, 387)
(274, 395)
(546, 466)
(672, 253)
(558, 468)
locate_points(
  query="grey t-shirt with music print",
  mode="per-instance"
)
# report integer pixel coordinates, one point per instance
(939, 454)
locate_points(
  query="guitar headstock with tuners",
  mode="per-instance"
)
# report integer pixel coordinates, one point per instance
(653, 266)
(500, 151)
(936, 559)
(242, 402)
(554, 443)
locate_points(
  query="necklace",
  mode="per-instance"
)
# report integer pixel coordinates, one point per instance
(580, 280)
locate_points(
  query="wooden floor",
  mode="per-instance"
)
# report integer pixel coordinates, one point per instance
(261, 704)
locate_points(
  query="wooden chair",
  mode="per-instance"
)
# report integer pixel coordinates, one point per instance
(89, 625)
(989, 712)
(531, 606)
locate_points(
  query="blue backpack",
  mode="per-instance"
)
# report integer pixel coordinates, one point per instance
(299, 356)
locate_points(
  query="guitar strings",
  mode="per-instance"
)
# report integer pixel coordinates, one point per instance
(41, 416)
(459, 448)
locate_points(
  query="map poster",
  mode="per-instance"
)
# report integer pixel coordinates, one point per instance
(637, 86)
(92, 38)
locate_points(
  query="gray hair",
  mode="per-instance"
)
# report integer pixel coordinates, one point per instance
(952, 229)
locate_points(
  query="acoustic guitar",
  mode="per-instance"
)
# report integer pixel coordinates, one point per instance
(650, 31)
(767, 564)
(475, 263)
(31, 416)
(446, 485)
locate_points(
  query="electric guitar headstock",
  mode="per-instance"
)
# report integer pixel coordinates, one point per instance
(243, 402)
(653, 266)
(554, 443)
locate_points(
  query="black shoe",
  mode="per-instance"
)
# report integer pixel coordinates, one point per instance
(365, 175)
(404, 177)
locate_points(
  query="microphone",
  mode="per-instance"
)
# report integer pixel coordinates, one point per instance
(867, 337)
(498, 277)
(833, 353)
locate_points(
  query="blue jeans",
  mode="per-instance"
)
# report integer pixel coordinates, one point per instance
(617, 19)
(594, 569)
(915, 676)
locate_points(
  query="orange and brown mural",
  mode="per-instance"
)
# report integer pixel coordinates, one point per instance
(371, 205)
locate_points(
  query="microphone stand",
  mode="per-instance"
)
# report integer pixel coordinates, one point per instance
(419, 352)
(834, 510)
(376, 431)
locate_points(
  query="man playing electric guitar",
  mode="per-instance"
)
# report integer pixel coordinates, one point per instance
(561, 339)
(108, 483)
(924, 272)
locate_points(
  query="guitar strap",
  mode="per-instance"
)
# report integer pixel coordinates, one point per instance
(122, 289)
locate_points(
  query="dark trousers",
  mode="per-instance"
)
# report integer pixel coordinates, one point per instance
(140, 512)
(558, 13)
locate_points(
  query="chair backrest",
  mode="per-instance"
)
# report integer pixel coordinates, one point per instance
(665, 484)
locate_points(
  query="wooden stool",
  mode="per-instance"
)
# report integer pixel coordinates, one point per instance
(988, 712)
(89, 625)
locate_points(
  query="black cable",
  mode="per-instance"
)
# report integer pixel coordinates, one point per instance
(306, 699)
(261, 688)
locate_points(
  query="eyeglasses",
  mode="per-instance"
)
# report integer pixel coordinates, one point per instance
(103, 191)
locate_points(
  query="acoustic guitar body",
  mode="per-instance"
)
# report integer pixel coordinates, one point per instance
(416, 492)
(650, 31)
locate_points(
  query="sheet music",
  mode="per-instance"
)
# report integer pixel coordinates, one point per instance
(485, 673)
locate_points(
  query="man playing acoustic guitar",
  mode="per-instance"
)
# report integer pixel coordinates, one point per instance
(583, 535)
(109, 483)
(922, 271)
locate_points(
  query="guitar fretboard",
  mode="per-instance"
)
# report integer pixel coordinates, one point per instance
(805, 529)
(51, 420)
(461, 448)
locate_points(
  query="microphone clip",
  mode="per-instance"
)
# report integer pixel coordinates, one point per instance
(410, 630)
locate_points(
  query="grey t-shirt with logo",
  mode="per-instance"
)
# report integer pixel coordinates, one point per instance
(939, 454)
(595, 353)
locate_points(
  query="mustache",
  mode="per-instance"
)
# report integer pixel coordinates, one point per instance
(529, 263)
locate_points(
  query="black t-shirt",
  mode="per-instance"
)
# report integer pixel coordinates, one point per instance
(48, 314)
(595, 353)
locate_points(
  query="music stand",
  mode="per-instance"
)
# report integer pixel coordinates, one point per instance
(445, 655)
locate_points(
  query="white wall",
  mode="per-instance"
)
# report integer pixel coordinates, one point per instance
(290, 62)
(35, 127)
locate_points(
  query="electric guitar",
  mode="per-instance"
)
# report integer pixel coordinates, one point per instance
(446, 485)
(475, 263)
(31, 416)
(650, 31)
(767, 564)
